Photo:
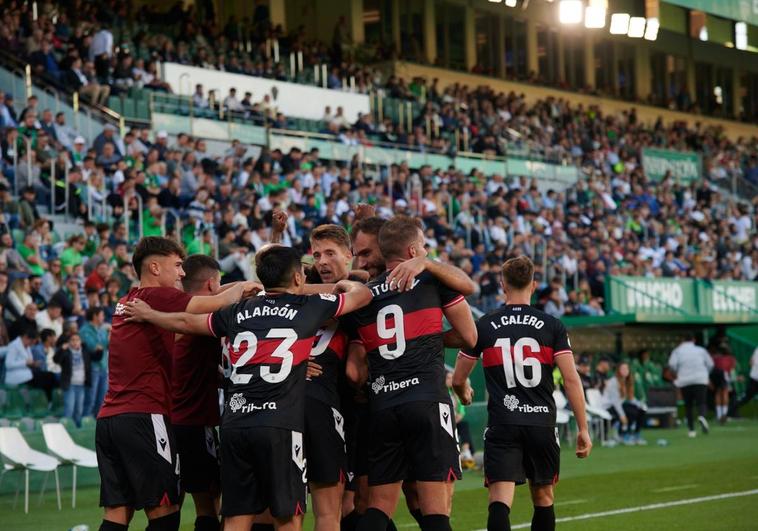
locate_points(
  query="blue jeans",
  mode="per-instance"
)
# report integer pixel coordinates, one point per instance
(95, 393)
(73, 403)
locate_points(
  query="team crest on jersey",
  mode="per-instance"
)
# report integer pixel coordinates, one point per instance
(510, 402)
(236, 402)
(377, 385)
(328, 297)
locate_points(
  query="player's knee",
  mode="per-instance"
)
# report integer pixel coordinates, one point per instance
(435, 522)
(542, 496)
(169, 522)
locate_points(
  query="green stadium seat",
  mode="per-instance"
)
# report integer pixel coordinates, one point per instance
(143, 110)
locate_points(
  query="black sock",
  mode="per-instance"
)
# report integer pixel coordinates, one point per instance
(416, 514)
(391, 526)
(543, 519)
(435, 522)
(107, 525)
(170, 522)
(207, 523)
(499, 517)
(349, 521)
(373, 520)
(262, 527)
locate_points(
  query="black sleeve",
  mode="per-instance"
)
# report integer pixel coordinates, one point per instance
(220, 321)
(474, 352)
(561, 343)
(448, 297)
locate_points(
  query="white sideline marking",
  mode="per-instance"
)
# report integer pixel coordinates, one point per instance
(641, 508)
(676, 487)
(571, 502)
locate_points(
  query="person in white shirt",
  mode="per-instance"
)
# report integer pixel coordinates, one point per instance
(198, 98)
(51, 317)
(102, 43)
(19, 360)
(692, 365)
(752, 383)
(231, 103)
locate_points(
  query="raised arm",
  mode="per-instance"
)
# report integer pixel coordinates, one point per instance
(575, 394)
(454, 278)
(462, 323)
(177, 322)
(211, 303)
(355, 294)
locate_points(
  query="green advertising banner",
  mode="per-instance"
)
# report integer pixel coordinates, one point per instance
(739, 10)
(729, 301)
(683, 165)
(672, 300)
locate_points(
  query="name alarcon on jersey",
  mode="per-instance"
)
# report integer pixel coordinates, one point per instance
(267, 311)
(526, 320)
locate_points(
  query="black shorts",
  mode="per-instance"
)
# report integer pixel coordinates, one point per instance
(198, 456)
(262, 468)
(719, 379)
(137, 460)
(357, 435)
(518, 453)
(416, 441)
(325, 443)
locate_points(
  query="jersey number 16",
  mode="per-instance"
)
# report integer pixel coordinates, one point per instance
(514, 365)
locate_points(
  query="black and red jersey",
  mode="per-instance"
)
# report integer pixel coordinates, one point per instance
(329, 351)
(270, 338)
(402, 335)
(518, 345)
(194, 382)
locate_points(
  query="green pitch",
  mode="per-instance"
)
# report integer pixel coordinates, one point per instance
(722, 463)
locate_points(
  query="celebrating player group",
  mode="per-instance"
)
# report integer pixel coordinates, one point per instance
(333, 383)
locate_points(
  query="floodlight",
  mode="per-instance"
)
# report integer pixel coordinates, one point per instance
(619, 23)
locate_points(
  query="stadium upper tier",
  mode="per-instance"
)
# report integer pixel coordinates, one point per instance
(618, 210)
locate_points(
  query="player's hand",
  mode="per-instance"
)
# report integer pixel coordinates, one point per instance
(250, 288)
(583, 444)
(401, 278)
(137, 310)
(343, 286)
(313, 370)
(465, 393)
(363, 211)
(279, 221)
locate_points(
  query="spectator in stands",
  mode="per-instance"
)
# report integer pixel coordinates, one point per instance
(50, 318)
(52, 280)
(231, 103)
(44, 63)
(76, 78)
(692, 365)
(6, 117)
(198, 98)
(27, 208)
(22, 369)
(69, 299)
(19, 295)
(619, 400)
(72, 254)
(95, 335)
(75, 376)
(35, 288)
(64, 133)
(45, 350)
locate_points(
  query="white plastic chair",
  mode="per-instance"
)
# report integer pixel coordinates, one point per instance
(595, 409)
(61, 445)
(18, 455)
(562, 414)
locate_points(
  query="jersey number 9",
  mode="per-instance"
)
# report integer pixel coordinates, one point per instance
(514, 365)
(396, 332)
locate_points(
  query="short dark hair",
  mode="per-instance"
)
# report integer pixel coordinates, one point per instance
(276, 265)
(370, 226)
(518, 272)
(45, 334)
(30, 332)
(198, 268)
(333, 233)
(155, 246)
(93, 311)
(396, 235)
